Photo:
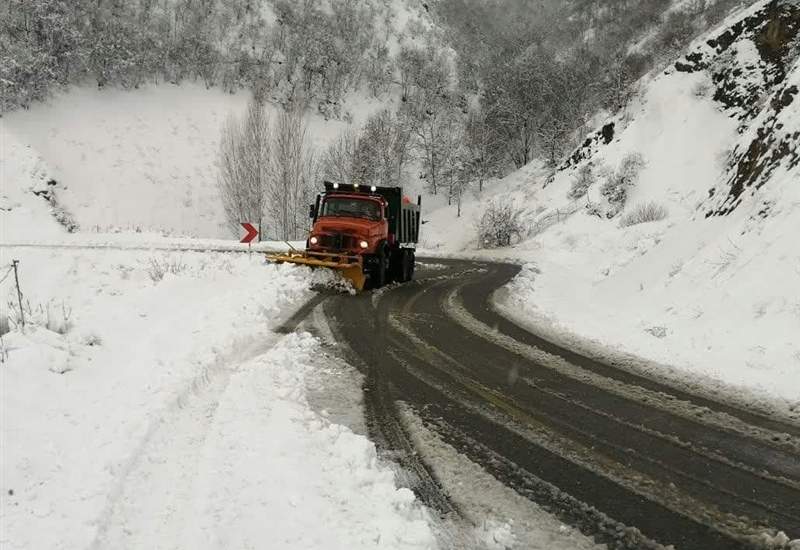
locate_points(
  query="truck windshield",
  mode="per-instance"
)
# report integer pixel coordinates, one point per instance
(354, 208)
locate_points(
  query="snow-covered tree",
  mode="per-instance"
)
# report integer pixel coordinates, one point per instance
(338, 161)
(383, 150)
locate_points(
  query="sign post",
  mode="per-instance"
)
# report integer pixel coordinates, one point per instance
(15, 263)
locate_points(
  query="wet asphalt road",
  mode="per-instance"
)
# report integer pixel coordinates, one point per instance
(629, 460)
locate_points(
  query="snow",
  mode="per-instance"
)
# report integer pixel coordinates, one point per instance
(152, 402)
(712, 301)
(165, 395)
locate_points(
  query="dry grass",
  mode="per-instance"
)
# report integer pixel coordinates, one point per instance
(644, 213)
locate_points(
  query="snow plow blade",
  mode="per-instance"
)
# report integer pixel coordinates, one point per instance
(350, 267)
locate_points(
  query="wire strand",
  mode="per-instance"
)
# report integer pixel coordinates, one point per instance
(8, 272)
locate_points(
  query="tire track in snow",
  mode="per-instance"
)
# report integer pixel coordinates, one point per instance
(157, 477)
(388, 432)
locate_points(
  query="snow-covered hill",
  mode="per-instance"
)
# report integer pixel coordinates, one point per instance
(711, 289)
(128, 160)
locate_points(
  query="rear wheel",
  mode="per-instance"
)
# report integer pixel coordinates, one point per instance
(404, 267)
(408, 265)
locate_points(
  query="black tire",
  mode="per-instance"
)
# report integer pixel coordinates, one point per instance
(380, 275)
(411, 259)
(395, 272)
(405, 265)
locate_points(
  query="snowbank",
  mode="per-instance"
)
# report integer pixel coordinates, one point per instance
(278, 473)
(162, 365)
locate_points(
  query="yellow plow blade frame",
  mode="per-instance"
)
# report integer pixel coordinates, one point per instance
(351, 267)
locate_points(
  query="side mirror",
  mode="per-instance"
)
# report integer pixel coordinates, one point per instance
(312, 211)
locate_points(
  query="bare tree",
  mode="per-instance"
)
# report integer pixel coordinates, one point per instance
(244, 166)
(460, 174)
(292, 176)
(436, 142)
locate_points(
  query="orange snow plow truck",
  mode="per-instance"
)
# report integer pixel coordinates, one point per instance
(367, 233)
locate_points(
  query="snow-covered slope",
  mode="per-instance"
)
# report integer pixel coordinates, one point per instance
(712, 289)
(130, 160)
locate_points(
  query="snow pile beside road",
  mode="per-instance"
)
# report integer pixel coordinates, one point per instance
(118, 381)
(711, 289)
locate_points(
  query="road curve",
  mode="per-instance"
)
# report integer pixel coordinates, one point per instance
(631, 461)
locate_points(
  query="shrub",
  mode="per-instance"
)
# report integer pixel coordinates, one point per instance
(54, 316)
(91, 339)
(157, 268)
(499, 225)
(57, 317)
(583, 180)
(644, 213)
(615, 189)
(594, 209)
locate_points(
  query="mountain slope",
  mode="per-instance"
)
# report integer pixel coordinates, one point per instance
(711, 288)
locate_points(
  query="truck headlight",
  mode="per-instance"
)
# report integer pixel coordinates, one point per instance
(364, 244)
(313, 240)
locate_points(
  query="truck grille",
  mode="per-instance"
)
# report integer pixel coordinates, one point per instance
(338, 241)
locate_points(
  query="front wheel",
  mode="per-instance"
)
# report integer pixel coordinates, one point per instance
(378, 276)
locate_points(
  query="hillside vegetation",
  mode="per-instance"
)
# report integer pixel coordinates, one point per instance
(312, 51)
